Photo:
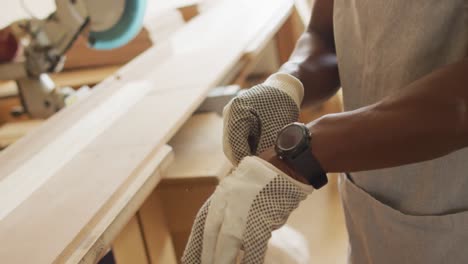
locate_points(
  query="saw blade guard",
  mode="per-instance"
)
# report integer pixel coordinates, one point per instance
(128, 26)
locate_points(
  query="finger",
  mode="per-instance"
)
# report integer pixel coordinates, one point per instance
(193, 249)
(227, 148)
(214, 220)
(235, 134)
(229, 239)
(241, 132)
(255, 244)
(242, 186)
(227, 249)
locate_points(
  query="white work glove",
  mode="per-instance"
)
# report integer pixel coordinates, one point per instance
(253, 119)
(245, 208)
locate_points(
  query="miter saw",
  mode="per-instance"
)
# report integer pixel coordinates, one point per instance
(106, 24)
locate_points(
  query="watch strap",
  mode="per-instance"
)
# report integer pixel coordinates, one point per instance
(308, 166)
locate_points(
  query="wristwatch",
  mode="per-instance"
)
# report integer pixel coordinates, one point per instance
(293, 146)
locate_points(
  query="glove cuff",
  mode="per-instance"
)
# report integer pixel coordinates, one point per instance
(288, 84)
(306, 188)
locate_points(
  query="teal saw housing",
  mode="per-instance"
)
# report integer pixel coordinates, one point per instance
(124, 31)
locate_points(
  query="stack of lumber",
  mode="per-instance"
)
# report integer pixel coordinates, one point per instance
(63, 185)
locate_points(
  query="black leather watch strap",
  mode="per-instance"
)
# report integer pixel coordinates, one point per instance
(308, 166)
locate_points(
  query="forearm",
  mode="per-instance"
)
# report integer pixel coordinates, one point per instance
(426, 120)
(314, 63)
(313, 60)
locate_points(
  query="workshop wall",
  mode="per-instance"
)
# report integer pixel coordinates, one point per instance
(14, 10)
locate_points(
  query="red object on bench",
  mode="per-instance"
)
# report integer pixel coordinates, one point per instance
(9, 46)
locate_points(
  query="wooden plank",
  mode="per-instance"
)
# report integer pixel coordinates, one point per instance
(8, 89)
(80, 77)
(91, 244)
(11, 132)
(6, 107)
(9, 98)
(129, 246)
(75, 78)
(189, 11)
(251, 56)
(155, 231)
(198, 150)
(72, 178)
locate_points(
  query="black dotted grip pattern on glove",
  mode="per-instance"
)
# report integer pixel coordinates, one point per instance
(263, 111)
(193, 250)
(270, 210)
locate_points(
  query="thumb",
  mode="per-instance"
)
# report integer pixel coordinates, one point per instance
(241, 132)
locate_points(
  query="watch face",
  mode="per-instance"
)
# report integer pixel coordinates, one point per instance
(290, 137)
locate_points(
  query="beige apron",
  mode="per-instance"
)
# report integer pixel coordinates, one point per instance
(416, 213)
